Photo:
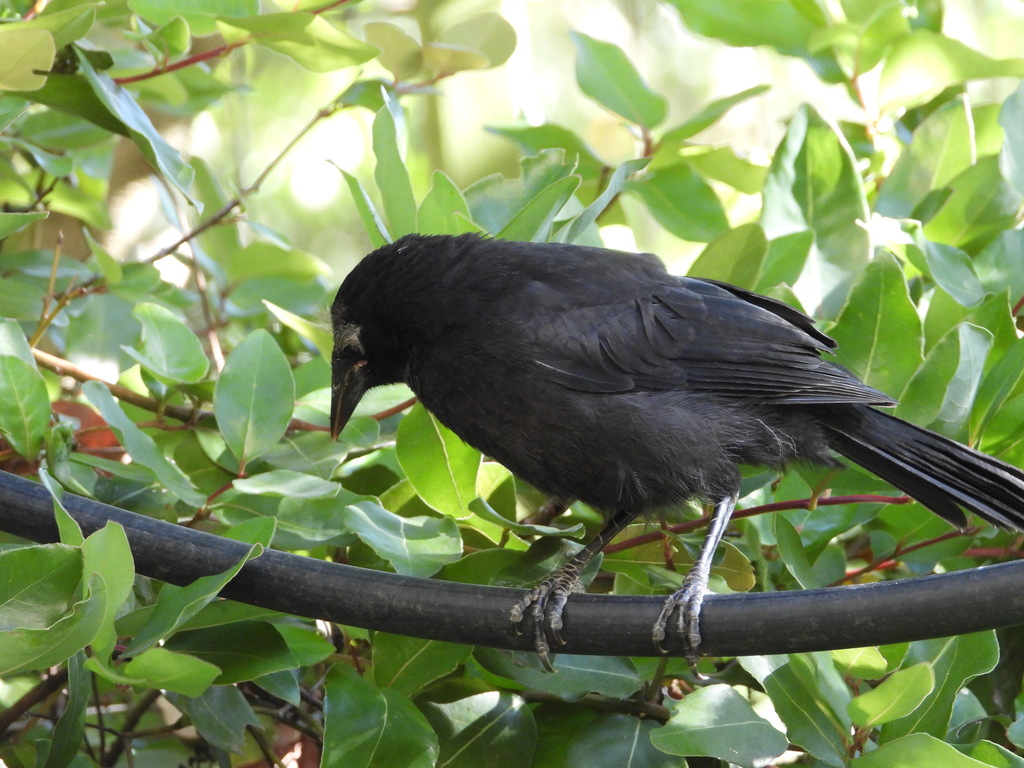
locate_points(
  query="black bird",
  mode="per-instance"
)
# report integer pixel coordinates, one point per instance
(595, 375)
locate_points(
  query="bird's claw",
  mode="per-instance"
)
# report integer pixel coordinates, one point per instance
(685, 603)
(545, 603)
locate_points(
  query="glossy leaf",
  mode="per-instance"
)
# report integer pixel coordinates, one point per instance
(141, 446)
(487, 33)
(711, 114)
(365, 726)
(254, 397)
(813, 184)
(201, 17)
(415, 546)
(308, 39)
(26, 51)
(444, 210)
(176, 605)
(169, 347)
(493, 723)
(915, 750)
(241, 650)
(439, 465)
(609, 78)
(924, 63)
(617, 740)
(682, 202)
(286, 482)
(221, 715)
(178, 672)
(41, 585)
(895, 697)
(409, 664)
(878, 330)
(125, 109)
(736, 257)
(955, 662)
(13, 222)
(391, 174)
(717, 722)
(24, 406)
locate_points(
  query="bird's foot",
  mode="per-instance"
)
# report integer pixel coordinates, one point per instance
(544, 604)
(685, 603)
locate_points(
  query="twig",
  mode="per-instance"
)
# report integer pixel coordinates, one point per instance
(883, 562)
(39, 692)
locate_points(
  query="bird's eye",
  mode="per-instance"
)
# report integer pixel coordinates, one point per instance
(352, 351)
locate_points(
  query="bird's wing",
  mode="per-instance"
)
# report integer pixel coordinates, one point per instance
(697, 335)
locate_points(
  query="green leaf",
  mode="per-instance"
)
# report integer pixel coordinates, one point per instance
(862, 663)
(778, 23)
(717, 722)
(14, 222)
(486, 512)
(710, 114)
(811, 698)
(241, 650)
(1011, 156)
(496, 724)
(169, 347)
(201, 15)
(400, 53)
(916, 750)
(439, 465)
(364, 726)
(955, 662)
(221, 715)
(107, 553)
(444, 210)
(446, 58)
(494, 200)
(286, 482)
(308, 39)
(372, 222)
(141, 447)
(609, 78)
(415, 546)
(682, 202)
(981, 204)
(922, 64)
(73, 95)
(487, 34)
(533, 222)
(39, 586)
(531, 139)
(178, 672)
(941, 148)
(879, 331)
(70, 728)
(814, 184)
(67, 25)
(617, 740)
(176, 605)
(409, 664)
(897, 696)
(575, 676)
(27, 648)
(254, 397)
(153, 146)
(577, 228)
(24, 406)
(317, 335)
(735, 257)
(27, 52)
(391, 174)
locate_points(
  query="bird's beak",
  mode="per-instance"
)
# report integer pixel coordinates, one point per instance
(347, 387)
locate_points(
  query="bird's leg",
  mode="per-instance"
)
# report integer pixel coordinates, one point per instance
(689, 597)
(546, 601)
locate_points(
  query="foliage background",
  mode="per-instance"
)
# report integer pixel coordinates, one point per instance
(183, 185)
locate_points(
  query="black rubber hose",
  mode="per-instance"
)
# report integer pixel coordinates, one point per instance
(732, 625)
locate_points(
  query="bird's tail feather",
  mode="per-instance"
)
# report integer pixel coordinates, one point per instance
(942, 474)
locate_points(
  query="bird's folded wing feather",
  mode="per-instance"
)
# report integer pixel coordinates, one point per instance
(696, 335)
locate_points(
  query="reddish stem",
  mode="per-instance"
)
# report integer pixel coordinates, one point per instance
(775, 506)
